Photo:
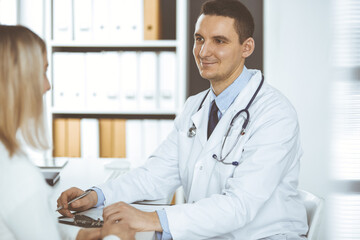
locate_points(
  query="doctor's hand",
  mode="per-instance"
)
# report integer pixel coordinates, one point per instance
(120, 229)
(82, 204)
(137, 220)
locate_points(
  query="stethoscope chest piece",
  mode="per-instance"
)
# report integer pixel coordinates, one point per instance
(192, 132)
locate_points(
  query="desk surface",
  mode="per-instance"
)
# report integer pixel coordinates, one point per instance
(83, 174)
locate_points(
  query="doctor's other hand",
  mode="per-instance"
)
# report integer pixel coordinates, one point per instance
(120, 229)
(82, 204)
(137, 220)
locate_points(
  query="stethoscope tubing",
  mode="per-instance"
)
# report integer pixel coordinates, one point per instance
(192, 129)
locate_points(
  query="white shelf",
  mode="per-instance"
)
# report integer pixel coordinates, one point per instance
(142, 44)
(111, 112)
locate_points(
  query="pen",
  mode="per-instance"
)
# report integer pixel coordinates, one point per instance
(77, 198)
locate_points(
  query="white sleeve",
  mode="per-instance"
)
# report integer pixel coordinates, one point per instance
(111, 237)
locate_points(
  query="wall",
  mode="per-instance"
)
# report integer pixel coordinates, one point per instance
(297, 37)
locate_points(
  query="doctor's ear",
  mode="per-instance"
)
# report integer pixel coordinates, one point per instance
(248, 47)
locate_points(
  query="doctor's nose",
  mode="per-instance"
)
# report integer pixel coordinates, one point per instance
(205, 50)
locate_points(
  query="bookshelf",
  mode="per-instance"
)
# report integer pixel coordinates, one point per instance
(172, 19)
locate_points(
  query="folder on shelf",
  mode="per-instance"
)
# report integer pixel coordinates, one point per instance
(101, 24)
(152, 20)
(75, 84)
(89, 138)
(150, 135)
(93, 76)
(148, 84)
(117, 19)
(129, 81)
(109, 63)
(59, 137)
(134, 142)
(60, 80)
(165, 128)
(106, 138)
(83, 20)
(134, 20)
(62, 20)
(119, 138)
(167, 80)
(73, 140)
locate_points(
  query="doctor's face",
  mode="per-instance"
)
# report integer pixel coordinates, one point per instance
(217, 50)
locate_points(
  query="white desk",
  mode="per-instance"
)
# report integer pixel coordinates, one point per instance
(83, 174)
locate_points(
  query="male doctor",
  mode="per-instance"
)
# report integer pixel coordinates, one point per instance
(240, 181)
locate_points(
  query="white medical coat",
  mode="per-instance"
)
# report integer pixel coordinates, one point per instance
(256, 199)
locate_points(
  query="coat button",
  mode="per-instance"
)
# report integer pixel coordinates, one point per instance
(201, 167)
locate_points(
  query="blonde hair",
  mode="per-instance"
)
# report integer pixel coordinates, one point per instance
(21, 88)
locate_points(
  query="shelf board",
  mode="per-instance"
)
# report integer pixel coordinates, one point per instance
(112, 112)
(141, 44)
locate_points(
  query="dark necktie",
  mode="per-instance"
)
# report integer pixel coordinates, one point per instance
(213, 119)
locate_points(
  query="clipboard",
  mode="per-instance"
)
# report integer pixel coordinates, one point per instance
(91, 218)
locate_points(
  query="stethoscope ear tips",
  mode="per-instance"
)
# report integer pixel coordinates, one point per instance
(235, 163)
(214, 156)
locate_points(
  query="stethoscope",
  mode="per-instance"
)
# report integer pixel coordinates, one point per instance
(192, 130)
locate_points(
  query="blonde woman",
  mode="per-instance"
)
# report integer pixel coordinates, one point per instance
(25, 212)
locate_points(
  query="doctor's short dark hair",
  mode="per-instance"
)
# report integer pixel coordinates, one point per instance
(244, 21)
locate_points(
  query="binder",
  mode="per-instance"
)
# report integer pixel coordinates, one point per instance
(134, 142)
(167, 80)
(119, 138)
(109, 80)
(63, 20)
(165, 128)
(117, 19)
(134, 20)
(101, 24)
(151, 136)
(82, 20)
(32, 15)
(75, 84)
(106, 139)
(152, 20)
(59, 137)
(89, 138)
(73, 137)
(60, 80)
(93, 76)
(129, 81)
(148, 80)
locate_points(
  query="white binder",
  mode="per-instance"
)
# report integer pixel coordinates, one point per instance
(150, 136)
(148, 81)
(62, 20)
(101, 24)
(117, 19)
(133, 14)
(167, 80)
(134, 143)
(129, 81)
(89, 138)
(93, 81)
(110, 80)
(60, 80)
(75, 73)
(83, 20)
